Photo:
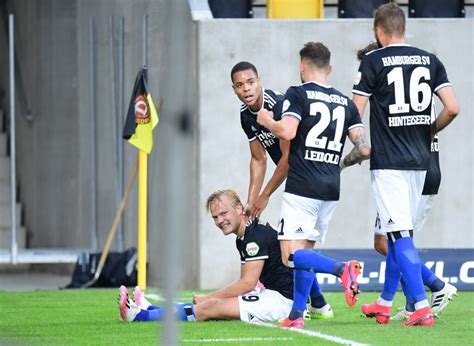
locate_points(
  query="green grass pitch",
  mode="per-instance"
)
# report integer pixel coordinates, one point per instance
(90, 317)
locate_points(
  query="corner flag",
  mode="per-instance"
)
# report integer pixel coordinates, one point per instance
(138, 130)
(141, 116)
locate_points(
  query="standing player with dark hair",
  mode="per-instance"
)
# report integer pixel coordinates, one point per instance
(442, 292)
(400, 81)
(248, 88)
(316, 118)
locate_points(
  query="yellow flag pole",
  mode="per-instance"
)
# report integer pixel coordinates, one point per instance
(143, 213)
(142, 217)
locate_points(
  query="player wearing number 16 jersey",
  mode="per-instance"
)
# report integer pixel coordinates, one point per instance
(316, 118)
(442, 292)
(400, 80)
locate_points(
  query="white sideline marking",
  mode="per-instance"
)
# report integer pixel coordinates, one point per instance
(154, 296)
(158, 298)
(315, 334)
(237, 339)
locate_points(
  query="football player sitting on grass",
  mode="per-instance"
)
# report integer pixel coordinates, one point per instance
(260, 256)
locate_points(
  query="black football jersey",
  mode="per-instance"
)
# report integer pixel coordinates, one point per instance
(400, 81)
(325, 116)
(433, 174)
(259, 243)
(272, 101)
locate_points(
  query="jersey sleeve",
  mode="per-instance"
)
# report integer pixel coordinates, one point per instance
(246, 127)
(441, 77)
(277, 109)
(364, 81)
(238, 245)
(293, 104)
(255, 247)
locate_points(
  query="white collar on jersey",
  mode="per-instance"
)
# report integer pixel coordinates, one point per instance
(247, 224)
(390, 45)
(398, 45)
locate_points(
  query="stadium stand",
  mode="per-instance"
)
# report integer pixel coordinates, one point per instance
(295, 9)
(231, 8)
(357, 8)
(436, 8)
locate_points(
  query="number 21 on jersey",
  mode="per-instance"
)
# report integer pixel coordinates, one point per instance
(314, 138)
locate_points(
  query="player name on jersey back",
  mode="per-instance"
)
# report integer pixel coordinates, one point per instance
(314, 155)
(329, 98)
(409, 120)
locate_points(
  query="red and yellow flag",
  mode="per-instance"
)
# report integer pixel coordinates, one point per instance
(141, 116)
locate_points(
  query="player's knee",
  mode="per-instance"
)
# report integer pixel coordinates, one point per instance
(284, 260)
(380, 245)
(380, 249)
(287, 260)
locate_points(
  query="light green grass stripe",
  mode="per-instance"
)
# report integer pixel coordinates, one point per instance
(313, 333)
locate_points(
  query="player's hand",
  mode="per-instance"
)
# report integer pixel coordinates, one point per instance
(248, 207)
(199, 298)
(264, 116)
(258, 207)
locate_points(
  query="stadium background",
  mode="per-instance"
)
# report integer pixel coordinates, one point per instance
(199, 144)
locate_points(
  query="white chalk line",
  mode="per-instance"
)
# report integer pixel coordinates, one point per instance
(313, 333)
(154, 296)
(235, 339)
(158, 298)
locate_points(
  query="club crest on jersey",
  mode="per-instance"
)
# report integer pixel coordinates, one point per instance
(358, 78)
(142, 114)
(252, 249)
(286, 105)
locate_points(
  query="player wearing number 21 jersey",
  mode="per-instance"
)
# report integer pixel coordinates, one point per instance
(317, 118)
(325, 116)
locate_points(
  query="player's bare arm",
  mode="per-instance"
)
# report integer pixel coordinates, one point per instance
(278, 177)
(249, 275)
(361, 150)
(360, 102)
(258, 166)
(448, 113)
(284, 129)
